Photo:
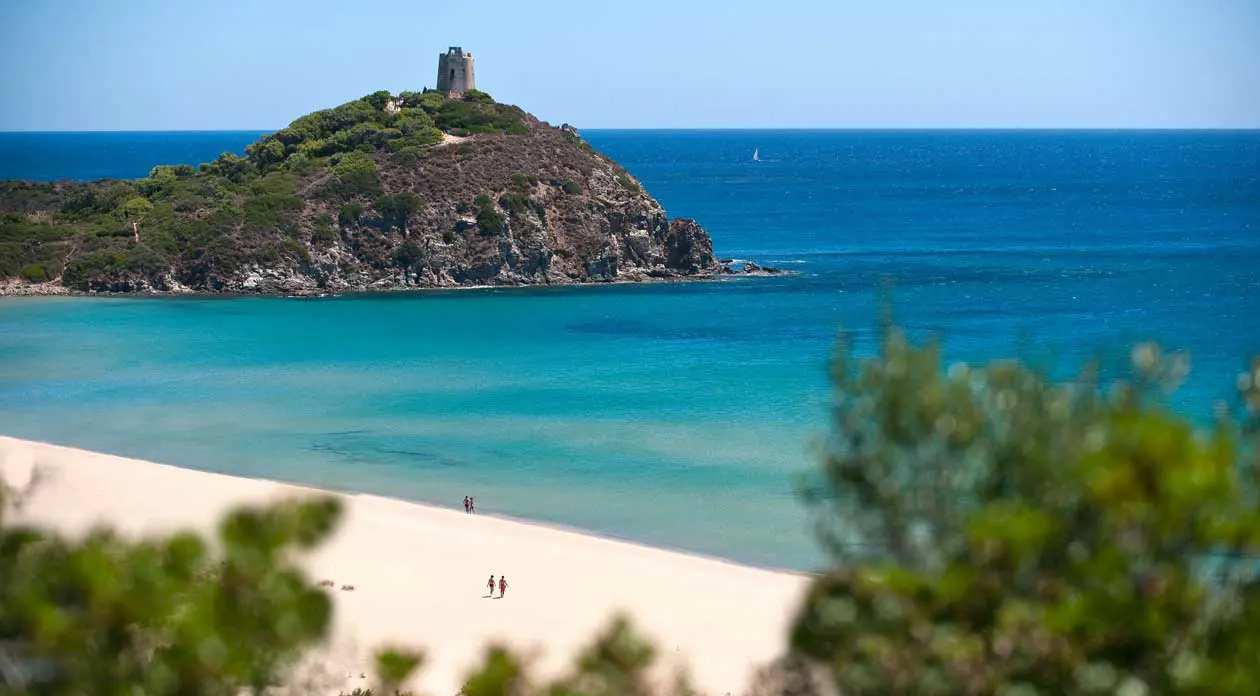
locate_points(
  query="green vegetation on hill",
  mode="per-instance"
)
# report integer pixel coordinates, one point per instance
(994, 533)
(369, 124)
(212, 220)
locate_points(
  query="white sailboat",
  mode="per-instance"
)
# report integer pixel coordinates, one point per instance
(755, 157)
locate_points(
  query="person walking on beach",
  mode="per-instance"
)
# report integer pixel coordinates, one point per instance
(472, 504)
(490, 584)
(467, 504)
(502, 586)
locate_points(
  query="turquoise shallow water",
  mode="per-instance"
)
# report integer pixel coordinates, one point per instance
(671, 414)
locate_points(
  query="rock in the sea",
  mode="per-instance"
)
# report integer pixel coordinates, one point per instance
(688, 247)
(727, 267)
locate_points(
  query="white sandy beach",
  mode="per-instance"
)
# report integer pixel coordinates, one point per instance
(420, 572)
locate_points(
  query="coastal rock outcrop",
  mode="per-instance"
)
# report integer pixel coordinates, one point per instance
(749, 268)
(688, 246)
(437, 193)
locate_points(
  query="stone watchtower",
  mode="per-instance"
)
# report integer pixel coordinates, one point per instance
(455, 72)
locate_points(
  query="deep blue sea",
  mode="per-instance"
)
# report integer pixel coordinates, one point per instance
(670, 414)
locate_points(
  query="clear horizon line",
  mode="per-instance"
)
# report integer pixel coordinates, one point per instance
(725, 129)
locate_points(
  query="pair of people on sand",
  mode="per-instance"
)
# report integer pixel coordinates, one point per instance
(502, 585)
(470, 505)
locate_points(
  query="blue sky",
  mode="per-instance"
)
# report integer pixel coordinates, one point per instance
(257, 64)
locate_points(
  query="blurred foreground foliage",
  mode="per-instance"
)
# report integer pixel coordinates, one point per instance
(107, 615)
(994, 532)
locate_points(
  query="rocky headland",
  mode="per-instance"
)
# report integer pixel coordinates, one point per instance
(405, 192)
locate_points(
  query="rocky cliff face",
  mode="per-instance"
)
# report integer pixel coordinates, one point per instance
(534, 208)
(569, 215)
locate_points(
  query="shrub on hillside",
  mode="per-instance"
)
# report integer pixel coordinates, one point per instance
(472, 117)
(325, 232)
(408, 254)
(35, 273)
(350, 214)
(477, 96)
(490, 221)
(396, 208)
(627, 183)
(522, 182)
(357, 176)
(521, 204)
